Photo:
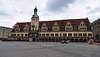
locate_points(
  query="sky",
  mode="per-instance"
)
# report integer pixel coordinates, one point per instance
(13, 11)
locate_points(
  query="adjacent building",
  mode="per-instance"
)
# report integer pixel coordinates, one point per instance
(5, 32)
(75, 30)
(96, 28)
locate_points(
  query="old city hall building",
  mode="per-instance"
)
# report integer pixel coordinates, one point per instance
(75, 30)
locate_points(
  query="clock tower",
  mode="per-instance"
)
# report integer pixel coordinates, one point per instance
(34, 27)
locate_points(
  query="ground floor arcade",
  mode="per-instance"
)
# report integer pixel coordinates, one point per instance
(50, 39)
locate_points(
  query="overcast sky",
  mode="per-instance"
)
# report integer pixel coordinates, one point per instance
(12, 11)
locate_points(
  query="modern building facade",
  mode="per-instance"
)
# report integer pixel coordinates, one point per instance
(5, 32)
(96, 29)
(75, 30)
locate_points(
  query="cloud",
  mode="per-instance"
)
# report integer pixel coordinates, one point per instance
(2, 13)
(8, 24)
(22, 11)
(95, 10)
(58, 5)
(88, 7)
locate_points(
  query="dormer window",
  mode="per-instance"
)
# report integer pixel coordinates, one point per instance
(50, 23)
(44, 27)
(82, 26)
(68, 27)
(17, 29)
(68, 24)
(26, 29)
(55, 27)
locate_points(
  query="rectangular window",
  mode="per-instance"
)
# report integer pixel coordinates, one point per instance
(47, 34)
(68, 28)
(26, 34)
(64, 34)
(55, 29)
(68, 24)
(44, 26)
(43, 29)
(84, 34)
(75, 34)
(89, 34)
(55, 25)
(62, 29)
(11, 34)
(16, 29)
(14, 34)
(21, 34)
(80, 34)
(56, 34)
(43, 34)
(75, 28)
(69, 34)
(60, 34)
(26, 30)
(52, 34)
(17, 34)
(49, 29)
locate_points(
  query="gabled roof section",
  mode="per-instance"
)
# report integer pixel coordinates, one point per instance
(62, 23)
(22, 24)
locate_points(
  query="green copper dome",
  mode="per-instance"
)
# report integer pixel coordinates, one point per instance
(35, 13)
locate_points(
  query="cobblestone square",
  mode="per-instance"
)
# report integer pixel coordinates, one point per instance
(48, 49)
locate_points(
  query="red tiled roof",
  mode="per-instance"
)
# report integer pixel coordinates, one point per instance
(61, 23)
(22, 24)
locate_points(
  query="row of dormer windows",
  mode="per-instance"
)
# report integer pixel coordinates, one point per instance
(55, 29)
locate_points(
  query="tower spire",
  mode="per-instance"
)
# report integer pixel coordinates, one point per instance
(35, 13)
